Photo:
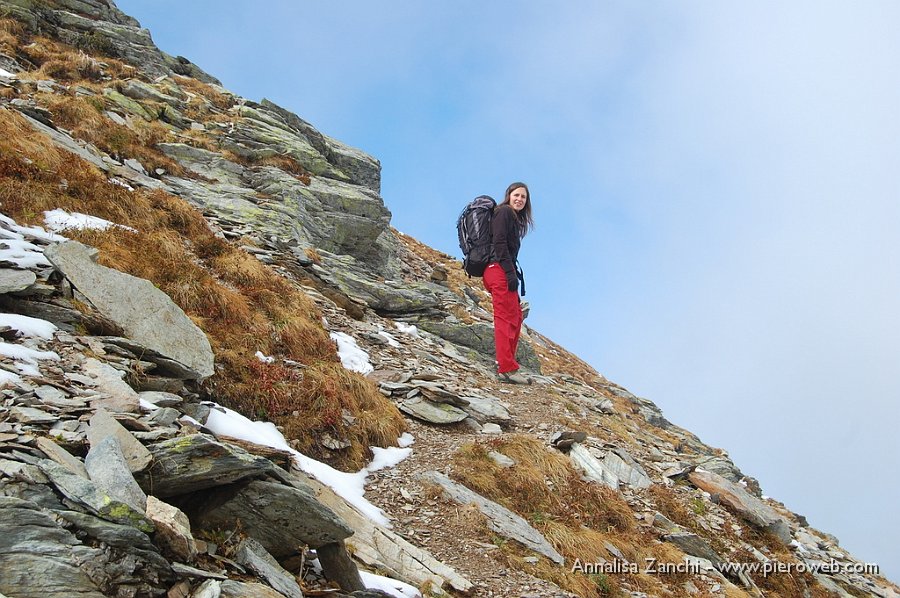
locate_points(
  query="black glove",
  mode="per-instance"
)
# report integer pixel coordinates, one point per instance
(512, 281)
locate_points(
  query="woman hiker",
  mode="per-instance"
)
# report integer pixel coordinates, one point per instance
(511, 221)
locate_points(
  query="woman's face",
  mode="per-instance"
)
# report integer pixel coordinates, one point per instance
(518, 198)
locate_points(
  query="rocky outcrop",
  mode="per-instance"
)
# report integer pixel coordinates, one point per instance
(197, 462)
(743, 503)
(99, 26)
(278, 516)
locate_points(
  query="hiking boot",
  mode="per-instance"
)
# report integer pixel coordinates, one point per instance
(513, 378)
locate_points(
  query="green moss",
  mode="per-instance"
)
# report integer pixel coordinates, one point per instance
(125, 515)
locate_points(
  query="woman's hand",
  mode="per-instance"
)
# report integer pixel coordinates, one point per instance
(512, 281)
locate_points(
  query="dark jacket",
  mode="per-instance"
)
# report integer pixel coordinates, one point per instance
(507, 238)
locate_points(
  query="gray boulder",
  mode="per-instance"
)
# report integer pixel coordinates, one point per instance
(108, 468)
(93, 498)
(196, 462)
(281, 518)
(610, 467)
(694, 545)
(12, 281)
(252, 555)
(104, 426)
(743, 503)
(115, 394)
(352, 278)
(145, 313)
(486, 410)
(431, 412)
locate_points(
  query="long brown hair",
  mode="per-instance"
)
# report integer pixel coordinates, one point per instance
(526, 221)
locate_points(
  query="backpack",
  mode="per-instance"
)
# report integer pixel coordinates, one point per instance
(474, 230)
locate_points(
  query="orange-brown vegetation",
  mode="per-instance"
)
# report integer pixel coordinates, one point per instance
(457, 279)
(206, 98)
(83, 116)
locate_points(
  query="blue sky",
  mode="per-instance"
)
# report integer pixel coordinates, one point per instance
(715, 187)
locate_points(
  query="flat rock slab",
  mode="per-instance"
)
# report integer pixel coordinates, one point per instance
(609, 467)
(62, 456)
(279, 517)
(145, 313)
(160, 398)
(434, 413)
(694, 545)
(104, 425)
(486, 410)
(93, 498)
(30, 415)
(196, 462)
(252, 555)
(381, 549)
(239, 589)
(13, 281)
(107, 467)
(115, 394)
(500, 519)
(743, 503)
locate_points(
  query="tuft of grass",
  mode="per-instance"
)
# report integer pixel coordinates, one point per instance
(84, 118)
(67, 63)
(313, 255)
(205, 99)
(287, 164)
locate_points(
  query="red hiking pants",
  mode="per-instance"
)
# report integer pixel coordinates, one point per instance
(507, 318)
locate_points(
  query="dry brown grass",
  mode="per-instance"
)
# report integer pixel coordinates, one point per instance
(287, 164)
(242, 305)
(555, 359)
(64, 63)
(457, 279)
(579, 518)
(206, 99)
(576, 516)
(10, 33)
(313, 255)
(83, 116)
(673, 507)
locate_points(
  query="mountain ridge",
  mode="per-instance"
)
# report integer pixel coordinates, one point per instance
(309, 208)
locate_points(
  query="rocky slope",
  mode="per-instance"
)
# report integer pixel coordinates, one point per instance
(116, 477)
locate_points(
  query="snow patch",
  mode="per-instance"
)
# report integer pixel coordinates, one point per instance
(27, 326)
(264, 358)
(59, 220)
(352, 356)
(395, 588)
(390, 339)
(407, 329)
